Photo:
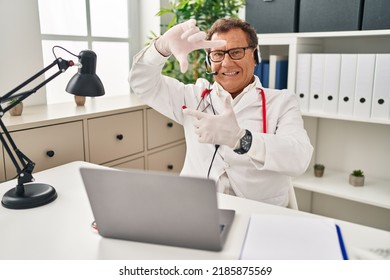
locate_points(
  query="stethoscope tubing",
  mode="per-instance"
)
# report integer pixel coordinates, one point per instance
(206, 93)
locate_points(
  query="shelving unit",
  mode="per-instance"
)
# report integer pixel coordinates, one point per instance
(335, 183)
(341, 143)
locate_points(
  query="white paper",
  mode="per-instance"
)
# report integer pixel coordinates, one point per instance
(280, 237)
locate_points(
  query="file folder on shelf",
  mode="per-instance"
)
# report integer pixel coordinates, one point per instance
(347, 84)
(316, 83)
(303, 80)
(282, 237)
(262, 71)
(278, 68)
(381, 89)
(259, 71)
(331, 82)
(265, 73)
(364, 84)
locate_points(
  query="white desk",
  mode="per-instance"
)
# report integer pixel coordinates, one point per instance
(61, 229)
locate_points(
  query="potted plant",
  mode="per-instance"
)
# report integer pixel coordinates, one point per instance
(206, 12)
(356, 178)
(17, 110)
(319, 170)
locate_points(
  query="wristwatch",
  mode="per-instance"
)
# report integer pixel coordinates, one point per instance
(245, 143)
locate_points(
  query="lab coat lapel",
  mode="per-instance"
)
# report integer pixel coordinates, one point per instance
(218, 96)
(249, 99)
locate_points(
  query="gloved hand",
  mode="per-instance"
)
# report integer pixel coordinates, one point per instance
(217, 129)
(182, 39)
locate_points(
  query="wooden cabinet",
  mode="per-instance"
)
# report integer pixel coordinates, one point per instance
(161, 130)
(115, 136)
(48, 146)
(162, 137)
(170, 160)
(119, 132)
(137, 163)
(341, 143)
(165, 143)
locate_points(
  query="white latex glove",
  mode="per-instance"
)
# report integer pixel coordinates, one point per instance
(217, 129)
(182, 39)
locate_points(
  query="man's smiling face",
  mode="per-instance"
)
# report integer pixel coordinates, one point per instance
(234, 75)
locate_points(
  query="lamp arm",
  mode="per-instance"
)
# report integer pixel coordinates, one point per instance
(24, 166)
(63, 65)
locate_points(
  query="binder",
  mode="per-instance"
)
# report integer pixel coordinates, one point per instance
(302, 87)
(283, 237)
(265, 73)
(347, 84)
(331, 82)
(278, 71)
(381, 89)
(364, 82)
(258, 71)
(281, 74)
(316, 83)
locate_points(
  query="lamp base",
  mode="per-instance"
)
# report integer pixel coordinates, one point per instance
(35, 195)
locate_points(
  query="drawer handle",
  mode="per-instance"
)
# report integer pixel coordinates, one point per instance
(170, 124)
(50, 153)
(119, 136)
(170, 166)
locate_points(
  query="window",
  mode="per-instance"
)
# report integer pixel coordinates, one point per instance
(103, 26)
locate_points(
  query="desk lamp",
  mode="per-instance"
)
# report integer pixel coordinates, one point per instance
(85, 83)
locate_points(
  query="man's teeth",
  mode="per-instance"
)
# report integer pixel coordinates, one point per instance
(230, 73)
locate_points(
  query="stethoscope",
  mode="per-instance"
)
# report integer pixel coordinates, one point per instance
(206, 92)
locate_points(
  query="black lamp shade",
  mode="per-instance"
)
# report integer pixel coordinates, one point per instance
(85, 82)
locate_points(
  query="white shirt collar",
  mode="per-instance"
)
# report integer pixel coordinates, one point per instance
(220, 91)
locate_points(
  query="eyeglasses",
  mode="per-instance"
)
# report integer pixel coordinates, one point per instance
(235, 54)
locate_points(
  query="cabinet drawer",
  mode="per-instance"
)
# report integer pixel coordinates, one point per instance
(48, 146)
(161, 130)
(116, 136)
(171, 159)
(138, 163)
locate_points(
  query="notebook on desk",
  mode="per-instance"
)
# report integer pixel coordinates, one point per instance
(282, 237)
(157, 208)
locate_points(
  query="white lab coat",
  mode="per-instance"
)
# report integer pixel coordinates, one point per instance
(264, 173)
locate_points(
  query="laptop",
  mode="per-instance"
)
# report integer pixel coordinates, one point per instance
(159, 208)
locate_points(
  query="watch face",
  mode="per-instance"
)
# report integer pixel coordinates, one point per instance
(246, 142)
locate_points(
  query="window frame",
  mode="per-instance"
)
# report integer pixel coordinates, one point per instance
(133, 11)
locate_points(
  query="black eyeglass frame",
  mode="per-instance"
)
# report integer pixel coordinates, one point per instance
(228, 52)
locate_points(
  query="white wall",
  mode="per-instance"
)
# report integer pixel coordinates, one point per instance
(20, 47)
